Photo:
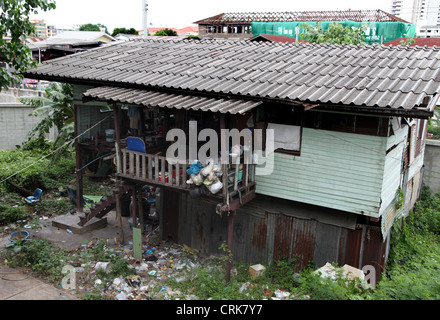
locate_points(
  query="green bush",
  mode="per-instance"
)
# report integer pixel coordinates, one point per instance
(413, 269)
(11, 214)
(41, 256)
(29, 169)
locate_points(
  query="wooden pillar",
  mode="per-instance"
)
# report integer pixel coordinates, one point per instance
(117, 137)
(140, 210)
(224, 159)
(230, 239)
(78, 157)
(118, 164)
(134, 206)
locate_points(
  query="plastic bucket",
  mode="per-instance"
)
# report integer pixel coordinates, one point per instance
(110, 135)
(24, 236)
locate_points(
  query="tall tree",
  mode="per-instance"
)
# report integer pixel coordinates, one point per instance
(93, 27)
(57, 109)
(166, 32)
(124, 31)
(15, 55)
(336, 34)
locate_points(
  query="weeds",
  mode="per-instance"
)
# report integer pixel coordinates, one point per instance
(413, 269)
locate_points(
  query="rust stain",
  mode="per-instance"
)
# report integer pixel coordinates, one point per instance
(259, 235)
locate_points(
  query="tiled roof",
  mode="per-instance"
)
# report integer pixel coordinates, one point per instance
(372, 76)
(169, 100)
(430, 42)
(335, 15)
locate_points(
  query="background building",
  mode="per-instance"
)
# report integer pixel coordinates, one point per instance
(381, 26)
(40, 28)
(424, 13)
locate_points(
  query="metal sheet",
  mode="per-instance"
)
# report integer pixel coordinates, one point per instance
(150, 98)
(261, 236)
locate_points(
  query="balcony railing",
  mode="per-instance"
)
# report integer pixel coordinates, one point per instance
(238, 181)
(153, 169)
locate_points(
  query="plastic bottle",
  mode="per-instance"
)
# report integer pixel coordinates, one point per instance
(69, 231)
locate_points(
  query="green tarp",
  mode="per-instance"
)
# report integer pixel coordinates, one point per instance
(376, 32)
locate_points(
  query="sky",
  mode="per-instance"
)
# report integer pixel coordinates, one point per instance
(181, 13)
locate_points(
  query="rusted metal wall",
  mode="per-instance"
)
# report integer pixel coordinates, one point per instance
(264, 234)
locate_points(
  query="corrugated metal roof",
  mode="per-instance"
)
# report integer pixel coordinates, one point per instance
(372, 76)
(168, 100)
(276, 38)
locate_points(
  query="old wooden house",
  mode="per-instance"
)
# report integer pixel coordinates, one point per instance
(349, 125)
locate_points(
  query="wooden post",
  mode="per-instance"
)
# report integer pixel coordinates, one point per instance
(141, 210)
(118, 170)
(230, 239)
(224, 159)
(119, 218)
(134, 204)
(78, 157)
(117, 137)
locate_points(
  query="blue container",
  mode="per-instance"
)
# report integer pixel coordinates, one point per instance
(24, 235)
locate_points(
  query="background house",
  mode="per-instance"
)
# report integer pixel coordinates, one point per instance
(66, 43)
(381, 26)
(358, 115)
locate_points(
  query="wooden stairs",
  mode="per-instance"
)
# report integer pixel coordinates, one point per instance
(107, 204)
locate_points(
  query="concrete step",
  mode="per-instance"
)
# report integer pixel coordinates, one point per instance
(71, 222)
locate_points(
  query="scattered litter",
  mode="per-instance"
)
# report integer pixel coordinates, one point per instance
(121, 296)
(104, 266)
(281, 295)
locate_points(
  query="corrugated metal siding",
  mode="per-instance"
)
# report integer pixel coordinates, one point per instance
(264, 233)
(151, 98)
(336, 170)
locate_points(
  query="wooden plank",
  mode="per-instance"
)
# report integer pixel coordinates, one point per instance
(131, 163)
(144, 166)
(137, 243)
(150, 166)
(162, 169)
(124, 161)
(138, 165)
(156, 168)
(178, 177)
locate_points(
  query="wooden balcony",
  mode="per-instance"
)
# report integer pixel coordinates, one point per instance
(150, 169)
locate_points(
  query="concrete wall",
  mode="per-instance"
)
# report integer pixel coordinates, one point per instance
(15, 121)
(431, 174)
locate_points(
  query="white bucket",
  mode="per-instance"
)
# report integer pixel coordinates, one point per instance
(110, 135)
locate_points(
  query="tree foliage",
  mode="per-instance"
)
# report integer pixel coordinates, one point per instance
(93, 27)
(124, 31)
(335, 34)
(15, 55)
(57, 108)
(166, 32)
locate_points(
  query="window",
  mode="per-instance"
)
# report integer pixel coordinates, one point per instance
(286, 121)
(287, 138)
(361, 124)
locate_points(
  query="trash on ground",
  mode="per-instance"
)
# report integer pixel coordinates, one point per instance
(256, 270)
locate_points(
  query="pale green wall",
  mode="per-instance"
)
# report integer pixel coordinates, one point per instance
(393, 167)
(337, 170)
